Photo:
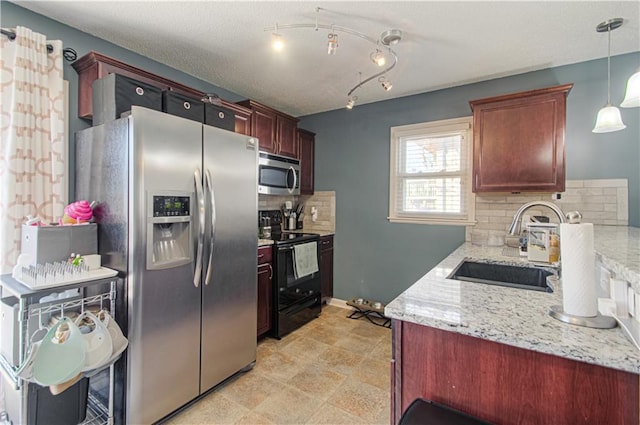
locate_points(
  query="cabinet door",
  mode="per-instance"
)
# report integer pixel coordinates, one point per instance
(265, 276)
(306, 143)
(263, 126)
(287, 142)
(326, 267)
(518, 141)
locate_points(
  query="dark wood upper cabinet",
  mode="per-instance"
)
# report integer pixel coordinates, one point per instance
(306, 147)
(518, 141)
(276, 131)
(95, 65)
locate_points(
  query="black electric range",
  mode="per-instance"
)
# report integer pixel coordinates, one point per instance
(296, 298)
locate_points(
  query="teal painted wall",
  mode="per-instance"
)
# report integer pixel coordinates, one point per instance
(377, 259)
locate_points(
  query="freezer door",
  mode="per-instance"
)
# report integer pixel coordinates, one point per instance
(229, 288)
(164, 304)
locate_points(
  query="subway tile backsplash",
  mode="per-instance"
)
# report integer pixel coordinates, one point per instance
(603, 201)
(323, 201)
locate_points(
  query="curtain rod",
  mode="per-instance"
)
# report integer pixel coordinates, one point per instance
(68, 53)
(12, 36)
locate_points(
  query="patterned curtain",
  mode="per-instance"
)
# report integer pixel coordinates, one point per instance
(33, 168)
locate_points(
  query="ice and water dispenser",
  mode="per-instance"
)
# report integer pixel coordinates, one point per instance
(169, 242)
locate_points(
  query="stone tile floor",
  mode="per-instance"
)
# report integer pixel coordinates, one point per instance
(334, 370)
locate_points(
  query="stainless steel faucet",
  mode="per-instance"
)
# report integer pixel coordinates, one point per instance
(514, 229)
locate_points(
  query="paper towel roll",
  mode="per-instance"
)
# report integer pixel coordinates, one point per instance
(578, 259)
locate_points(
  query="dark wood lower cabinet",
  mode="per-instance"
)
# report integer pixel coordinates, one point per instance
(265, 279)
(326, 267)
(506, 385)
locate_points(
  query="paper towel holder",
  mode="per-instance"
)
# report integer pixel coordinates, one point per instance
(598, 322)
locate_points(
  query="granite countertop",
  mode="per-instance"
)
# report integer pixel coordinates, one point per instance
(520, 317)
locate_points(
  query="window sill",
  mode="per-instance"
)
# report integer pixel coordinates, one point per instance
(436, 221)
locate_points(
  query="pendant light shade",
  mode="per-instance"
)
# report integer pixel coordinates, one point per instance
(632, 93)
(608, 120)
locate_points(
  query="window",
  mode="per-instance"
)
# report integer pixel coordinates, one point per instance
(430, 178)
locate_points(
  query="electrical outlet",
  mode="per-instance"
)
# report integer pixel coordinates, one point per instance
(605, 276)
(556, 196)
(619, 293)
(631, 301)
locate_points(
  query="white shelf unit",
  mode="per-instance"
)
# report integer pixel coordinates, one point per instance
(101, 293)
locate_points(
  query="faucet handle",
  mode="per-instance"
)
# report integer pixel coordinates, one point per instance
(574, 217)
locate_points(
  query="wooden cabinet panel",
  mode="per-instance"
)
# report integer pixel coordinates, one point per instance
(306, 143)
(286, 136)
(326, 267)
(263, 127)
(265, 280)
(518, 141)
(275, 130)
(505, 384)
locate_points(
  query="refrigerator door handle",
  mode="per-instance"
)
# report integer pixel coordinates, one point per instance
(209, 187)
(197, 275)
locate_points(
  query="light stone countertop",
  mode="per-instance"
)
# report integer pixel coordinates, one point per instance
(520, 317)
(264, 242)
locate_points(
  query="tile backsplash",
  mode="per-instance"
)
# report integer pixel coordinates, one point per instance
(600, 202)
(323, 201)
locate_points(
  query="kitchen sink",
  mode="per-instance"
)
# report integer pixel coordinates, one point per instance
(523, 277)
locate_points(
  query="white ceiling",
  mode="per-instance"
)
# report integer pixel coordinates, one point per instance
(445, 44)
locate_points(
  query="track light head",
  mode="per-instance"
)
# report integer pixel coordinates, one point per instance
(332, 44)
(386, 85)
(351, 102)
(277, 42)
(378, 58)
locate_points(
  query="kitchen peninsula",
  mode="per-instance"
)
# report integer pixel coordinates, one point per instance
(495, 353)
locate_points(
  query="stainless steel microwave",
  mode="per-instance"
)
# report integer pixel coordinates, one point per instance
(278, 175)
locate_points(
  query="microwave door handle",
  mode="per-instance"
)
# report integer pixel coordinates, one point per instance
(295, 180)
(197, 275)
(209, 187)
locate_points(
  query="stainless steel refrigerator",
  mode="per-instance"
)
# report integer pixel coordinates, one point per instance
(176, 203)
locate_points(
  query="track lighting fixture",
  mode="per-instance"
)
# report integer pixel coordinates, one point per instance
(609, 118)
(332, 44)
(382, 53)
(378, 58)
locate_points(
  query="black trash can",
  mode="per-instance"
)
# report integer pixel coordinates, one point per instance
(66, 408)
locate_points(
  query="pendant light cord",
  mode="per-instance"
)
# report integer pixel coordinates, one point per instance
(609, 68)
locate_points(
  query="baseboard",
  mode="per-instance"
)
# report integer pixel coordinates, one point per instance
(336, 302)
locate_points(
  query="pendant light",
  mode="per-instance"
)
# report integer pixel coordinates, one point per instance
(609, 118)
(632, 93)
